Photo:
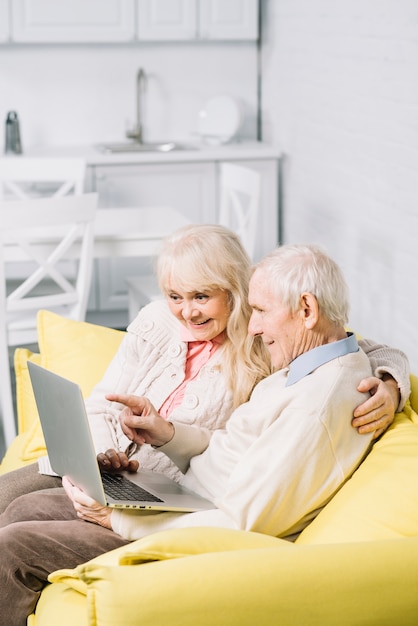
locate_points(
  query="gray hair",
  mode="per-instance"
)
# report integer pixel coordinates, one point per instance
(295, 269)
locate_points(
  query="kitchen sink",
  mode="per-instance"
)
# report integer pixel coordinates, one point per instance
(135, 146)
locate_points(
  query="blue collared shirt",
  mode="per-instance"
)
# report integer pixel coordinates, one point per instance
(309, 361)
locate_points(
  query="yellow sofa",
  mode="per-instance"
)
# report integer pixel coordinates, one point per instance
(357, 563)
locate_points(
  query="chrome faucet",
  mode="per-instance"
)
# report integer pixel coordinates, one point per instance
(141, 81)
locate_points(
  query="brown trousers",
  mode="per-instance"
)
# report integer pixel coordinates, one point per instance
(21, 481)
(40, 533)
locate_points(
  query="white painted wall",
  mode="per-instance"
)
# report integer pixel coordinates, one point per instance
(340, 97)
(72, 95)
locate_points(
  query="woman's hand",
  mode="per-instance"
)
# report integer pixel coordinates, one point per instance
(140, 421)
(87, 508)
(377, 412)
(114, 461)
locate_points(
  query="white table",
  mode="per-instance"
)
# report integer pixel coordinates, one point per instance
(124, 232)
(134, 232)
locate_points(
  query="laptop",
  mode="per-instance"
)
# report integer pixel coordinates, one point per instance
(71, 453)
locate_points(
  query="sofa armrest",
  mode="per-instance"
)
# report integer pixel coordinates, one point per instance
(345, 584)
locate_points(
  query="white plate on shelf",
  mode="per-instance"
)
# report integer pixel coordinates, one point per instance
(219, 120)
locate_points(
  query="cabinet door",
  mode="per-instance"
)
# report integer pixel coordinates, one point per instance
(61, 21)
(166, 20)
(189, 187)
(228, 19)
(4, 20)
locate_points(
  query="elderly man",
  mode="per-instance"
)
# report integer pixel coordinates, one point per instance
(282, 456)
(287, 451)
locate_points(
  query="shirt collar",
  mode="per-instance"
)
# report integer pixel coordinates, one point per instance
(309, 361)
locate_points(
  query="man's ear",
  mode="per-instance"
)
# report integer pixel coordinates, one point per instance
(309, 310)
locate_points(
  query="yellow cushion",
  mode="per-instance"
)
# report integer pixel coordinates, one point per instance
(25, 401)
(380, 501)
(29, 444)
(14, 457)
(191, 541)
(76, 350)
(274, 583)
(168, 545)
(413, 399)
(60, 605)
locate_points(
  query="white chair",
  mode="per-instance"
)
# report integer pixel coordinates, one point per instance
(239, 207)
(24, 177)
(43, 232)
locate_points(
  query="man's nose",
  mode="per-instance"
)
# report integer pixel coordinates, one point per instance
(253, 328)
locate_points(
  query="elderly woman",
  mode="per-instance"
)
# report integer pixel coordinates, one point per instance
(198, 338)
(190, 354)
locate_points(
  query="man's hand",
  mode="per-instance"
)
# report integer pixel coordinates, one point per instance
(140, 421)
(378, 412)
(87, 508)
(114, 461)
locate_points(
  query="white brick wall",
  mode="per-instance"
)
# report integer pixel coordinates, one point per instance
(340, 97)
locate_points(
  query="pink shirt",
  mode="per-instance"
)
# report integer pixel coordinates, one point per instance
(198, 354)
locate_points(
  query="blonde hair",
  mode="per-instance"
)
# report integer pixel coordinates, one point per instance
(207, 257)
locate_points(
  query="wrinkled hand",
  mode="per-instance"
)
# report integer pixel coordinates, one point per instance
(377, 412)
(114, 461)
(140, 421)
(87, 508)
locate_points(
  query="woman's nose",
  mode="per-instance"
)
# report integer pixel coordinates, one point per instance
(188, 310)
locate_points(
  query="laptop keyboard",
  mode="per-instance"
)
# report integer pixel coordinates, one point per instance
(121, 488)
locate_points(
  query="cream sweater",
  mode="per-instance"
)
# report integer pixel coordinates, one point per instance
(281, 457)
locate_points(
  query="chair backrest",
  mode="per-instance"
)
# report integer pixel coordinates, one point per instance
(41, 233)
(28, 177)
(44, 232)
(240, 202)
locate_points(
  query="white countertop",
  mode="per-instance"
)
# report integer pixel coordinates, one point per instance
(231, 151)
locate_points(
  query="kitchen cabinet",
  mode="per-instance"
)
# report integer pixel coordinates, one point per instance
(112, 21)
(192, 187)
(164, 20)
(228, 19)
(60, 21)
(4, 20)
